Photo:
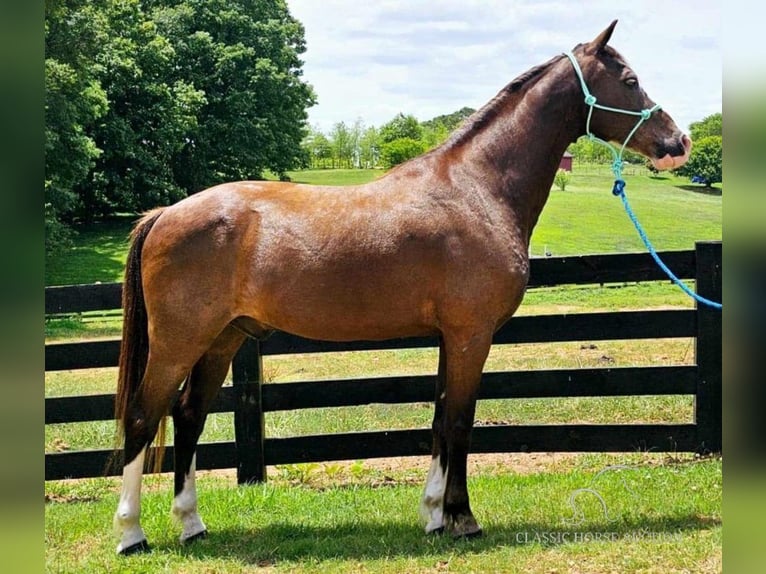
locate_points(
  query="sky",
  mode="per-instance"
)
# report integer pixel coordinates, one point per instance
(372, 60)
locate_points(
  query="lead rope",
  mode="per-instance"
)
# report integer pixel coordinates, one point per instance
(619, 183)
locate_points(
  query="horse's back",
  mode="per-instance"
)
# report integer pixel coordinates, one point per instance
(377, 261)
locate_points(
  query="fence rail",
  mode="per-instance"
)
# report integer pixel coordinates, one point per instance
(249, 399)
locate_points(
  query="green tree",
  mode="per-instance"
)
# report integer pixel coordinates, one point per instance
(151, 116)
(400, 150)
(705, 161)
(244, 55)
(587, 150)
(342, 145)
(369, 146)
(400, 127)
(561, 179)
(317, 147)
(75, 32)
(434, 133)
(711, 125)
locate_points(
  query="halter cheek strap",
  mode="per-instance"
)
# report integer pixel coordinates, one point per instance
(591, 102)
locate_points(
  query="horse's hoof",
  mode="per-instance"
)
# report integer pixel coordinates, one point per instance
(464, 526)
(194, 537)
(137, 548)
(477, 533)
(436, 531)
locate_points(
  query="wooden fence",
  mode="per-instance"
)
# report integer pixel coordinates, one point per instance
(249, 399)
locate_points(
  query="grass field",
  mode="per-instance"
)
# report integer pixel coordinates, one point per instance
(662, 516)
(663, 512)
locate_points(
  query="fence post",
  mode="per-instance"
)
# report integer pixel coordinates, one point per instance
(247, 371)
(708, 403)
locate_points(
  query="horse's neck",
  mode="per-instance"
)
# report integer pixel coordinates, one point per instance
(519, 152)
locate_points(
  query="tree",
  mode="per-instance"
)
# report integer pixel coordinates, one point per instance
(151, 116)
(244, 55)
(705, 161)
(74, 101)
(400, 150)
(317, 147)
(561, 179)
(401, 127)
(369, 146)
(711, 125)
(340, 139)
(587, 150)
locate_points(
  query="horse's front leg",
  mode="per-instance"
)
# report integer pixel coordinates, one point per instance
(465, 352)
(432, 503)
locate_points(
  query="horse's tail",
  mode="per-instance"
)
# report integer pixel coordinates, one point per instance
(134, 347)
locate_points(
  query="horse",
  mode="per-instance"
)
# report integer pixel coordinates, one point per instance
(438, 246)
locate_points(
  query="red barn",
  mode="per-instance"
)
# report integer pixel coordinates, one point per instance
(566, 161)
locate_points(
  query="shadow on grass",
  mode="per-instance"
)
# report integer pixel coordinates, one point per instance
(370, 541)
(716, 191)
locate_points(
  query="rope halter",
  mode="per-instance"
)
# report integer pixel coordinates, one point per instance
(591, 102)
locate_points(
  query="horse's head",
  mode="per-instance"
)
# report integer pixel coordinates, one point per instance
(615, 85)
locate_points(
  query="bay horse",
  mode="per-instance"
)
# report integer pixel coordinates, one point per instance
(438, 246)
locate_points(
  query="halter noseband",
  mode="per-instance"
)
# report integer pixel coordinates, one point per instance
(590, 101)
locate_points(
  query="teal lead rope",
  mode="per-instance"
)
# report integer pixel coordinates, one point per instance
(619, 184)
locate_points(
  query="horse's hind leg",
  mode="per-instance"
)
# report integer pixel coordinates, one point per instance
(151, 402)
(189, 414)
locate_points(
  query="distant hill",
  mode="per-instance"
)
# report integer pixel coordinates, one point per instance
(449, 121)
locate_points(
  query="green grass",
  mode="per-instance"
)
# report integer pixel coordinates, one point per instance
(661, 517)
(587, 218)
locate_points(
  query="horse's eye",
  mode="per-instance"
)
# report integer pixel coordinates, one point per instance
(632, 82)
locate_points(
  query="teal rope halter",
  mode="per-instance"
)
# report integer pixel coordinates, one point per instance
(619, 183)
(590, 101)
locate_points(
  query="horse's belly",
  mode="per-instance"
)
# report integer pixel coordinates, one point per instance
(345, 316)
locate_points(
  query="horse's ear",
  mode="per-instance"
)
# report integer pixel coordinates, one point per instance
(600, 42)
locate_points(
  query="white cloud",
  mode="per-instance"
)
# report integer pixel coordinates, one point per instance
(373, 60)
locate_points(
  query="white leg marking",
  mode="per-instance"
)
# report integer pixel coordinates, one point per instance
(185, 505)
(127, 518)
(432, 504)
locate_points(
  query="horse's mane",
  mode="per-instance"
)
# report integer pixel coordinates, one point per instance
(487, 113)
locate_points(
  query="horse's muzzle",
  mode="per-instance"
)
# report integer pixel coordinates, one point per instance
(675, 155)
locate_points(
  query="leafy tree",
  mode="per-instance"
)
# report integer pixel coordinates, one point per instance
(151, 116)
(369, 146)
(589, 151)
(401, 127)
(342, 146)
(712, 125)
(400, 150)
(244, 56)
(561, 179)
(317, 147)
(74, 101)
(705, 161)
(434, 134)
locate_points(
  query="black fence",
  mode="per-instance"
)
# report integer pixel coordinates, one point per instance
(249, 399)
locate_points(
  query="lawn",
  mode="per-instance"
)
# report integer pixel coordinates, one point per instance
(661, 513)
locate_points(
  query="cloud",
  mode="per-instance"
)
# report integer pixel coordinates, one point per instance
(373, 60)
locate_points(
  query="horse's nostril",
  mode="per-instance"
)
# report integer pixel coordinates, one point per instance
(686, 142)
